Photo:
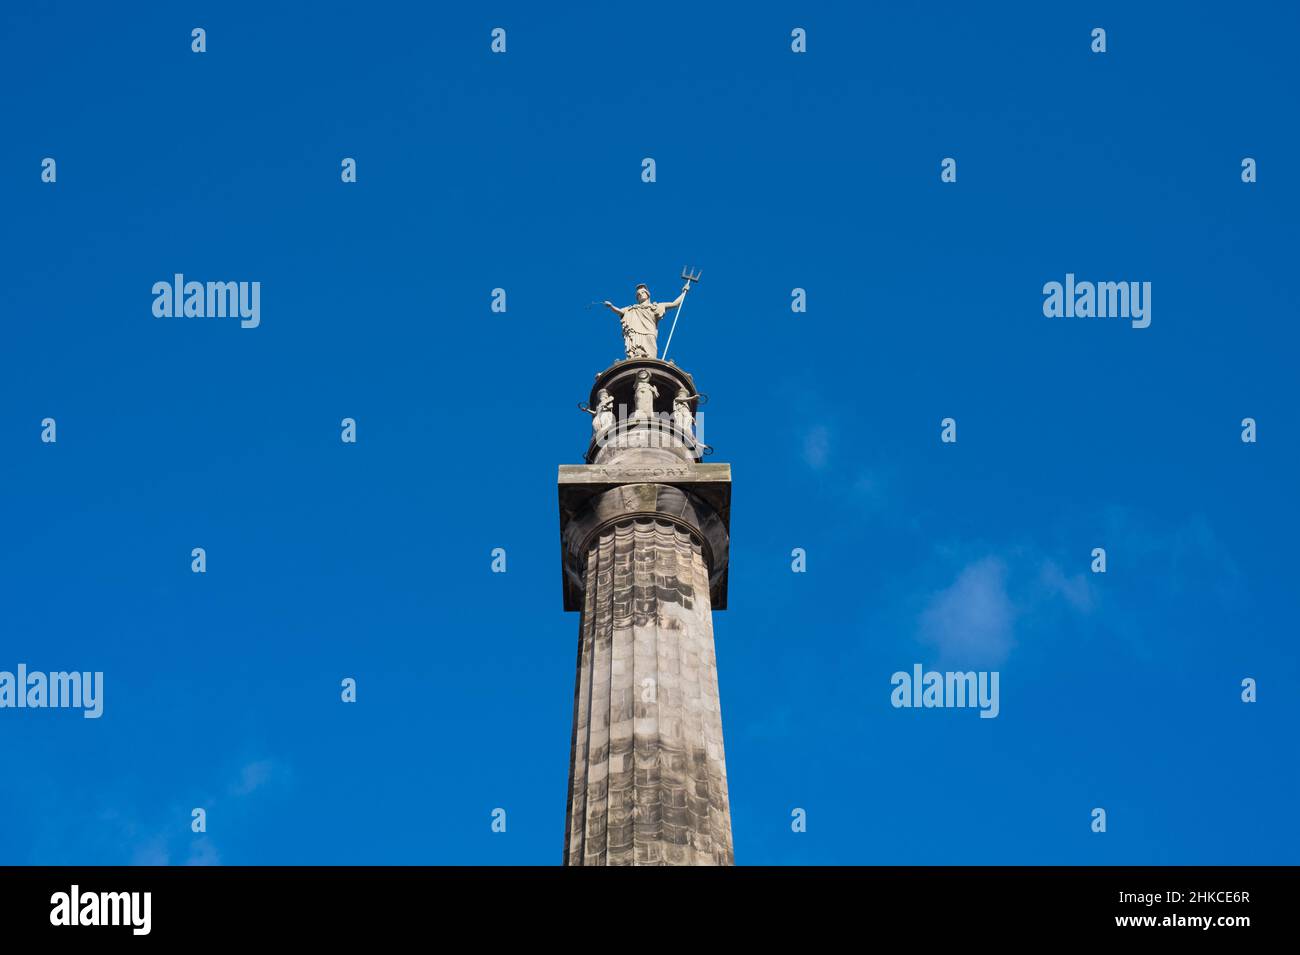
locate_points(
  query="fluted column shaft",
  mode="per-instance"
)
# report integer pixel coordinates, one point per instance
(648, 779)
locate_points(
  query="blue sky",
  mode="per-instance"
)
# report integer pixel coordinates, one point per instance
(774, 171)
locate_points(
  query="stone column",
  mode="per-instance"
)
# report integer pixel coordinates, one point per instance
(644, 530)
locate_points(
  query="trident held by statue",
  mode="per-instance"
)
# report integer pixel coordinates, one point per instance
(689, 275)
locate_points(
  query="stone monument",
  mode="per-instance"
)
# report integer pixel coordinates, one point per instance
(644, 532)
(641, 321)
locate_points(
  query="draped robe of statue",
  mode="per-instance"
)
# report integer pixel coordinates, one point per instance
(641, 329)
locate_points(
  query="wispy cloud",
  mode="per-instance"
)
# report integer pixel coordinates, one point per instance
(977, 618)
(1188, 556)
(817, 447)
(172, 840)
(972, 620)
(1075, 589)
(252, 777)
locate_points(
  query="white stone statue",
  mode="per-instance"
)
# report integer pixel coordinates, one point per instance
(643, 396)
(602, 416)
(641, 321)
(682, 416)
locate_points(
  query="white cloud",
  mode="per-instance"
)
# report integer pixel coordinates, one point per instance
(1076, 590)
(253, 777)
(972, 621)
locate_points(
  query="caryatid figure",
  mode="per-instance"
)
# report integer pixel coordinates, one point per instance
(602, 416)
(641, 321)
(683, 418)
(643, 396)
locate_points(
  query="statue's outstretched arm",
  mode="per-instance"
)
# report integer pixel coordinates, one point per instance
(615, 309)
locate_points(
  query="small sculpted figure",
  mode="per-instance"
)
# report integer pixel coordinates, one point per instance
(602, 416)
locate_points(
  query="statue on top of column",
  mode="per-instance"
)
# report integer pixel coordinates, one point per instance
(641, 321)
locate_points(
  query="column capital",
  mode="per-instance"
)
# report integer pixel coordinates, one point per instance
(695, 497)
